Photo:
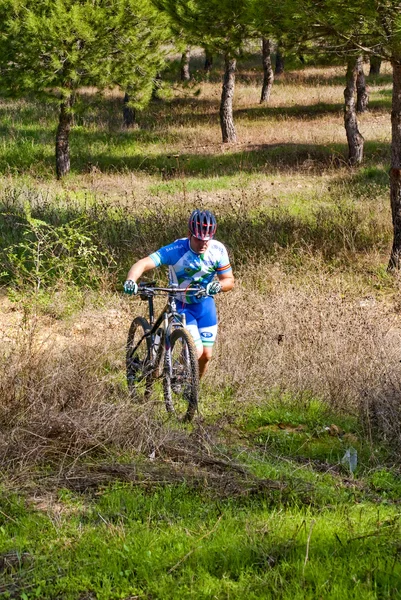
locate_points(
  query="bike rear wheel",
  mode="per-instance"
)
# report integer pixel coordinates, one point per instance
(181, 387)
(138, 361)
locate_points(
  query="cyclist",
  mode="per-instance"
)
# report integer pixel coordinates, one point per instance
(195, 259)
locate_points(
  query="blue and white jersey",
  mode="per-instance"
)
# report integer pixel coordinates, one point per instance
(186, 267)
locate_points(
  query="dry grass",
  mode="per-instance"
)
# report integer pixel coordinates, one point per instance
(307, 339)
(64, 402)
(57, 402)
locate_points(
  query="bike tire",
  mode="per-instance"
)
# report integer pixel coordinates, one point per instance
(181, 390)
(138, 363)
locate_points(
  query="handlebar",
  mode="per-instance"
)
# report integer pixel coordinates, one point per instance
(147, 289)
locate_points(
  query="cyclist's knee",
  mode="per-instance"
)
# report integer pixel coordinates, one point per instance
(204, 359)
(207, 353)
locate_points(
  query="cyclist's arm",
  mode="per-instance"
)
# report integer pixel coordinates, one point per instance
(140, 267)
(226, 281)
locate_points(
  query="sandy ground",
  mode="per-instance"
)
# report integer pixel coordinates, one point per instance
(16, 325)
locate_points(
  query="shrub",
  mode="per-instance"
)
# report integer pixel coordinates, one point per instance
(47, 255)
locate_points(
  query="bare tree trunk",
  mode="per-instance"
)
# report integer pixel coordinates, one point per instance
(354, 137)
(226, 104)
(208, 61)
(395, 171)
(185, 58)
(362, 96)
(63, 138)
(375, 64)
(268, 75)
(128, 113)
(279, 70)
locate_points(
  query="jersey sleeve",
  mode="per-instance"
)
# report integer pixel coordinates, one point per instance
(223, 265)
(168, 255)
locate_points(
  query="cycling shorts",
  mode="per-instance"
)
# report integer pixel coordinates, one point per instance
(201, 321)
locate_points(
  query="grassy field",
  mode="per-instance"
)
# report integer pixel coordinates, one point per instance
(287, 484)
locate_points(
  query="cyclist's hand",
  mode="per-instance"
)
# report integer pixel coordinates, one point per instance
(130, 287)
(213, 288)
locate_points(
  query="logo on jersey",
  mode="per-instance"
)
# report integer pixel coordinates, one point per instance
(206, 334)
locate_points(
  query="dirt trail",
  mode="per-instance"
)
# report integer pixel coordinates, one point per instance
(45, 331)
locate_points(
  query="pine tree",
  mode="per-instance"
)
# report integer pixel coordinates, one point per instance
(222, 26)
(369, 27)
(51, 48)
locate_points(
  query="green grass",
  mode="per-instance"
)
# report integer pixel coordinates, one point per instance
(168, 133)
(131, 543)
(306, 429)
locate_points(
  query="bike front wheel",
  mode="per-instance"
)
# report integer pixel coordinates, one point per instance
(181, 380)
(138, 359)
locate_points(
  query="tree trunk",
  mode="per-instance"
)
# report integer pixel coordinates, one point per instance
(63, 138)
(128, 113)
(354, 137)
(226, 104)
(395, 171)
(375, 64)
(268, 75)
(208, 61)
(185, 58)
(279, 70)
(157, 82)
(362, 96)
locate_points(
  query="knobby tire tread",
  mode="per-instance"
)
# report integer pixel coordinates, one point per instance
(142, 324)
(186, 337)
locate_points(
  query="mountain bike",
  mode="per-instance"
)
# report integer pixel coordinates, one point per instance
(161, 348)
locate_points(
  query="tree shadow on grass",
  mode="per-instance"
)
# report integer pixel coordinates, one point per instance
(309, 112)
(111, 148)
(111, 155)
(34, 150)
(262, 159)
(249, 159)
(195, 111)
(250, 72)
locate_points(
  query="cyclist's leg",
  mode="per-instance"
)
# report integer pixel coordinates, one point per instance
(207, 326)
(201, 321)
(192, 327)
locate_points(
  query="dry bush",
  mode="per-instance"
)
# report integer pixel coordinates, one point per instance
(66, 418)
(58, 404)
(295, 322)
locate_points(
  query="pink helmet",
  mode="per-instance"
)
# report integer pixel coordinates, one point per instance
(202, 224)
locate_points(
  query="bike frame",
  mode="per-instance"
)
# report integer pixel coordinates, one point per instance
(168, 320)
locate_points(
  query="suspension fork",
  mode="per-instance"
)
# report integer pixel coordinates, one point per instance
(168, 328)
(168, 367)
